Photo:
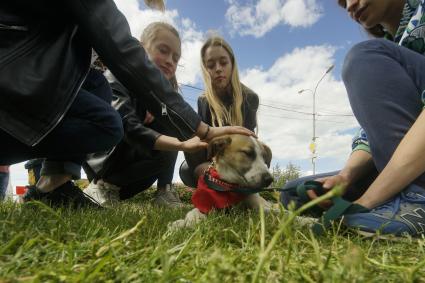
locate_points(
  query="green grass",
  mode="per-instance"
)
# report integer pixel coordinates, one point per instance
(131, 243)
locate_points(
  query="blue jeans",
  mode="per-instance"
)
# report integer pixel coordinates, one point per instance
(384, 83)
(4, 181)
(90, 125)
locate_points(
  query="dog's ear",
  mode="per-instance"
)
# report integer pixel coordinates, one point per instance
(217, 145)
(267, 154)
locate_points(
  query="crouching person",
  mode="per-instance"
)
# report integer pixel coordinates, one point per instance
(147, 153)
(53, 106)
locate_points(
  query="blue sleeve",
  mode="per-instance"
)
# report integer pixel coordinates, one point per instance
(360, 141)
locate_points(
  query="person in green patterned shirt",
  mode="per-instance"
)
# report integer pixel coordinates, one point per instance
(384, 80)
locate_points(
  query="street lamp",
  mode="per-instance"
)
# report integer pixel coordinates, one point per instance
(313, 139)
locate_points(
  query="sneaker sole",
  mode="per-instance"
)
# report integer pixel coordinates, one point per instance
(386, 237)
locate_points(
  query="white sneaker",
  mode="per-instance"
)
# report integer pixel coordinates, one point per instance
(167, 197)
(104, 193)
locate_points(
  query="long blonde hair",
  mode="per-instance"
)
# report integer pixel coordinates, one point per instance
(219, 112)
(155, 4)
(149, 35)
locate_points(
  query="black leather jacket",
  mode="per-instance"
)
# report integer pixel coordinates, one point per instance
(133, 113)
(139, 139)
(45, 49)
(249, 113)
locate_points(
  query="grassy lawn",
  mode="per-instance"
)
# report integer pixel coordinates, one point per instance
(131, 243)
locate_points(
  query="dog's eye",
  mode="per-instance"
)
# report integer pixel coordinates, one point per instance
(249, 153)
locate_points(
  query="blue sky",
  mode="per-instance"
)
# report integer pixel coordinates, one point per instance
(333, 28)
(281, 46)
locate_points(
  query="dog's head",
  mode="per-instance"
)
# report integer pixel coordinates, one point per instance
(241, 160)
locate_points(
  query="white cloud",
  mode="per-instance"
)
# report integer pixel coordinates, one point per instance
(189, 69)
(258, 19)
(288, 130)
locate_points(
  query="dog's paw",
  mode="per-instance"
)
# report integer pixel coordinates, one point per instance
(176, 225)
(271, 207)
(192, 218)
(305, 221)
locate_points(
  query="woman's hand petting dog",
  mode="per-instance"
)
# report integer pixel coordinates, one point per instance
(193, 145)
(228, 130)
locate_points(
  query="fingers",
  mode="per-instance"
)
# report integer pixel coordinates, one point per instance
(228, 130)
(324, 204)
(245, 131)
(311, 194)
(321, 180)
(240, 130)
(203, 144)
(329, 182)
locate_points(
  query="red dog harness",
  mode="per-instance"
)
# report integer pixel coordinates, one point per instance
(213, 193)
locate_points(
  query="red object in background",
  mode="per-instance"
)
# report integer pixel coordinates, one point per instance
(21, 190)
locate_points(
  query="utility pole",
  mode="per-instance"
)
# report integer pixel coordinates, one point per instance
(312, 145)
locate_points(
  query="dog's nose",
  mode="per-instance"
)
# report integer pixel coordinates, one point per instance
(266, 179)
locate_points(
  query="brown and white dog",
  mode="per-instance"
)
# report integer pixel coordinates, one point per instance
(240, 163)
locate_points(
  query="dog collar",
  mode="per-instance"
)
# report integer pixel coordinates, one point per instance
(213, 181)
(213, 193)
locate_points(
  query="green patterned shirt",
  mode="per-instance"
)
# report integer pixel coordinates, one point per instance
(410, 34)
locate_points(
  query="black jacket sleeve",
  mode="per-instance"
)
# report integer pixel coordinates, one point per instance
(135, 132)
(107, 30)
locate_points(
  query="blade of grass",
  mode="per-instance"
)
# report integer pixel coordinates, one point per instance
(263, 256)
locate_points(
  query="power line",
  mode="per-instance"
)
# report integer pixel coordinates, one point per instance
(300, 119)
(336, 115)
(282, 108)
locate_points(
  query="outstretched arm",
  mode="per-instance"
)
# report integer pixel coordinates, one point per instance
(358, 165)
(194, 144)
(406, 164)
(108, 32)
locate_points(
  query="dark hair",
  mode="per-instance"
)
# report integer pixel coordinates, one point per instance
(376, 31)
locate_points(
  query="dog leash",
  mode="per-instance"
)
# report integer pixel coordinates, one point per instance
(339, 208)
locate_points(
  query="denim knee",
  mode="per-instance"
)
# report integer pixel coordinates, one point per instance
(115, 130)
(362, 55)
(167, 158)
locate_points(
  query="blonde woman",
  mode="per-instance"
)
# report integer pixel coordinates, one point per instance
(225, 101)
(147, 153)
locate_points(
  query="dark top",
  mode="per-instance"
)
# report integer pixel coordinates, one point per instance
(139, 139)
(249, 114)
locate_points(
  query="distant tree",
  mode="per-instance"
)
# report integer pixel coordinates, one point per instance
(281, 176)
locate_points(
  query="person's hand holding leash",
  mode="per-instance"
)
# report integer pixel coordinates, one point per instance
(328, 183)
(359, 165)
